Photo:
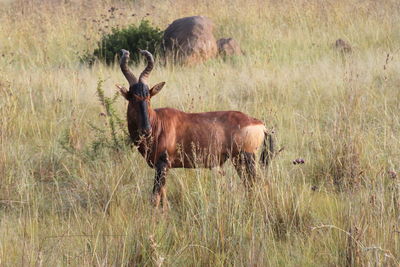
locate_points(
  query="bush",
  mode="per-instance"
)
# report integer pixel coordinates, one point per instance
(131, 38)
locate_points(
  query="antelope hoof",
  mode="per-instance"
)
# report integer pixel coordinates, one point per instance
(156, 200)
(165, 206)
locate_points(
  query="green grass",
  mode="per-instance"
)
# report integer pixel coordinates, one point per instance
(338, 112)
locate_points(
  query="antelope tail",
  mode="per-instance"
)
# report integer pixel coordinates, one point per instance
(268, 149)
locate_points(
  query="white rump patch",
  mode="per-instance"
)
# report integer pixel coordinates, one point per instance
(250, 138)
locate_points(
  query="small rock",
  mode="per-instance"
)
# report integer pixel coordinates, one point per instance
(343, 46)
(228, 47)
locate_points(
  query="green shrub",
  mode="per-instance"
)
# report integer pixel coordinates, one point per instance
(131, 38)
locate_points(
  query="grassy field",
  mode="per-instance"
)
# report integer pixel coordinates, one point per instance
(65, 203)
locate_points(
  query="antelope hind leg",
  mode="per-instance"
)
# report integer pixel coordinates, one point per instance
(245, 165)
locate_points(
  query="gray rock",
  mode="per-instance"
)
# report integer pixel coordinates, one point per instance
(190, 40)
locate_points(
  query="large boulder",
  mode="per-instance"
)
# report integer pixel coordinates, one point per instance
(228, 47)
(190, 40)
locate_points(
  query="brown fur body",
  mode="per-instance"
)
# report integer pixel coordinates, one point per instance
(197, 139)
(170, 138)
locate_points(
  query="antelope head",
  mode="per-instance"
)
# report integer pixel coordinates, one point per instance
(139, 93)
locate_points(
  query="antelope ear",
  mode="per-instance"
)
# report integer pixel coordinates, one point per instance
(156, 88)
(123, 91)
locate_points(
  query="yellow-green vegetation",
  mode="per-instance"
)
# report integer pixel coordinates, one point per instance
(69, 197)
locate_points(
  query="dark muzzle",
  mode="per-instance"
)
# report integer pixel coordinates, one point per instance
(145, 127)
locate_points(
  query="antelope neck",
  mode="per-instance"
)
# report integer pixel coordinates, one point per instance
(152, 118)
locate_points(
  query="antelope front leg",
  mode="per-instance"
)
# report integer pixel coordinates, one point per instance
(159, 190)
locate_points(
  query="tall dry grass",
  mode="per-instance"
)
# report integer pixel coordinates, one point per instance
(338, 112)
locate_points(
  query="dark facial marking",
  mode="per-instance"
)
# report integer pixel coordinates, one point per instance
(140, 90)
(145, 116)
(140, 94)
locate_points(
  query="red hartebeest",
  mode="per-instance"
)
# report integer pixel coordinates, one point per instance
(170, 138)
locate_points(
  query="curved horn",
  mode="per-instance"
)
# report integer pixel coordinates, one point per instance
(123, 63)
(150, 64)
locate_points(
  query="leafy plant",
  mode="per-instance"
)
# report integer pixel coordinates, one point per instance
(115, 137)
(131, 38)
(117, 126)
